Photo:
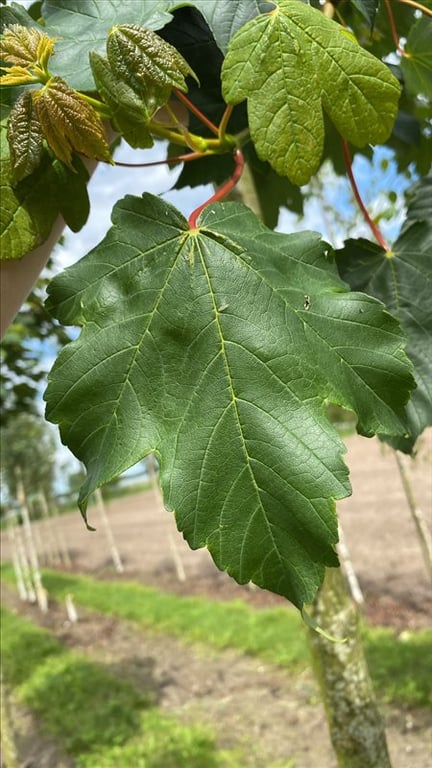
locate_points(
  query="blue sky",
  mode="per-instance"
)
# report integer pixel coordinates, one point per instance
(108, 184)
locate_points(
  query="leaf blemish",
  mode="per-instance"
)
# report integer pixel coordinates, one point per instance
(307, 302)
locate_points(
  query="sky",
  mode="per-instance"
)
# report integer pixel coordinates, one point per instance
(109, 184)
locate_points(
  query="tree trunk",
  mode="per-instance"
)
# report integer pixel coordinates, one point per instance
(356, 727)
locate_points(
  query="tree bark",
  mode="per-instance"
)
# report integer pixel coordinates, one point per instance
(356, 727)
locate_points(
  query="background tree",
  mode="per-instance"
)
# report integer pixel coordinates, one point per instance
(28, 446)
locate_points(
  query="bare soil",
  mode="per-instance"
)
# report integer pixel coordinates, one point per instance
(243, 699)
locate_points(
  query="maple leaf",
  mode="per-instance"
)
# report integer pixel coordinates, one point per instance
(30, 207)
(84, 26)
(28, 50)
(147, 63)
(69, 123)
(290, 64)
(24, 135)
(217, 348)
(129, 111)
(402, 280)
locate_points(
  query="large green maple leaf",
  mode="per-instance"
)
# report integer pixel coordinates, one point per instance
(82, 26)
(217, 348)
(291, 64)
(402, 279)
(225, 17)
(417, 64)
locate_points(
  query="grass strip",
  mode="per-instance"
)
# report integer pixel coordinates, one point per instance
(276, 635)
(103, 722)
(400, 665)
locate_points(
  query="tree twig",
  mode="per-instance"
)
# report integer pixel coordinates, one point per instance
(422, 529)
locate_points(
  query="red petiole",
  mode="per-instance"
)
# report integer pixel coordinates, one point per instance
(168, 161)
(377, 234)
(197, 112)
(394, 31)
(223, 191)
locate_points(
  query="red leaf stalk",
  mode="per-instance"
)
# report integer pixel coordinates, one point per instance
(223, 191)
(197, 112)
(394, 30)
(371, 224)
(169, 160)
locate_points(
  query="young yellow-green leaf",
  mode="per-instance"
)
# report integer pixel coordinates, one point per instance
(45, 50)
(290, 64)
(417, 64)
(24, 136)
(19, 45)
(129, 111)
(28, 50)
(69, 123)
(217, 348)
(17, 76)
(148, 64)
(29, 208)
(83, 26)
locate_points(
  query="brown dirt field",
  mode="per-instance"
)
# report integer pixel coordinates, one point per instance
(242, 698)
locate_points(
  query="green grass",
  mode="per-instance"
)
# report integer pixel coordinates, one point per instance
(103, 722)
(276, 635)
(401, 667)
(24, 647)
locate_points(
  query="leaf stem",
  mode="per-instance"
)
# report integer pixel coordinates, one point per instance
(191, 140)
(197, 112)
(165, 133)
(417, 6)
(242, 137)
(394, 31)
(102, 109)
(223, 190)
(177, 159)
(371, 224)
(224, 121)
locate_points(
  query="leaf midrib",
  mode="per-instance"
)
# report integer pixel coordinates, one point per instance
(237, 415)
